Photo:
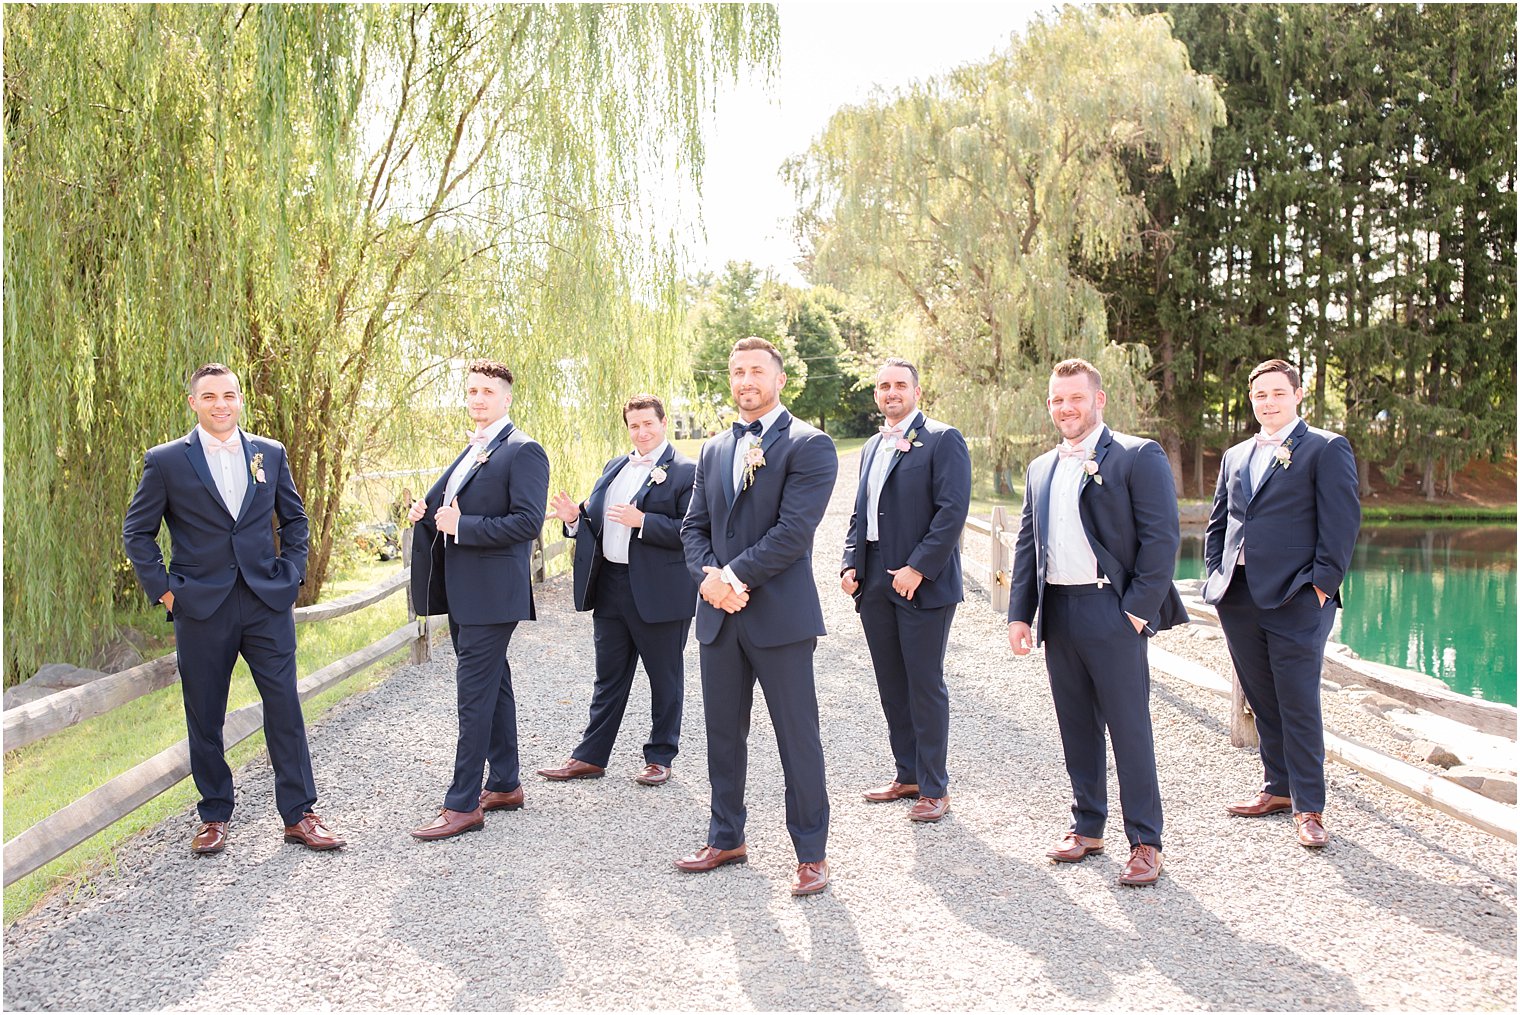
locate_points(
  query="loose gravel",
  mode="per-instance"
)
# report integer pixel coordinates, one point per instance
(572, 902)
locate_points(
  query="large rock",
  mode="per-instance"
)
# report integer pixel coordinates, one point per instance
(1491, 783)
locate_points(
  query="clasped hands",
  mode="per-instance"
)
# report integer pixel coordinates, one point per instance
(905, 581)
(446, 517)
(720, 594)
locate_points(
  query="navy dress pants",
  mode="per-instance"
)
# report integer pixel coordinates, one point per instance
(487, 714)
(1100, 678)
(908, 654)
(730, 667)
(206, 650)
(1279, 655)
(622, 640)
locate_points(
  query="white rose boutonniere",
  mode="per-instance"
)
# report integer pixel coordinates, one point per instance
(256, 467)
(1283, 454)
(657, 475)
(754, 459)
(1091, 468)
(483, 457)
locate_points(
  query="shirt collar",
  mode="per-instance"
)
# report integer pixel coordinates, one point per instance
(205, 437)
(1091, 440)
(657, 453)
(769, 419)
(1285, 429)
(491, 432)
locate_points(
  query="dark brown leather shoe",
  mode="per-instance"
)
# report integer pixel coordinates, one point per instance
(1074, 847)
(450, 823)
(573, 769)
(496, 800)
(1144, 866)
(313, 834)
(929, 808)
(811, 878)
(1259, 805)
(209, 838)
(709, 857)
(1310, 826)
(653, 775)
(892, 791)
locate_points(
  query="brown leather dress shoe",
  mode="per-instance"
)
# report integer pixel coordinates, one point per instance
(209, 838)
(709, 857)
(929, 808)
(313, 834)
(811, 878)
(496, 800)
(450, 823)
(892, 791)
(1310, 826)
(1074, 847)
(1144, 866)
(653, 775)
(1259, 805)
(573, 769)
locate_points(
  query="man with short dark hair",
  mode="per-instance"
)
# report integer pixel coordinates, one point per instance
(229, 592)
(472, 558)
(1279, 540)
(902, 563)
(630, 571)
(759, 495)
(1096, 549)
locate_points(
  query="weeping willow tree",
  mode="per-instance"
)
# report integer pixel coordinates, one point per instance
(344, 203)
(960, 202)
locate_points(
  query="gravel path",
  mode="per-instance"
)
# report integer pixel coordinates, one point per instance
(572, 903)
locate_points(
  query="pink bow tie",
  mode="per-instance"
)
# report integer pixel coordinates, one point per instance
(216, 447)
(1067, 451)
(1270, 442)
(478, 438)
(638, 459)
(891, 431)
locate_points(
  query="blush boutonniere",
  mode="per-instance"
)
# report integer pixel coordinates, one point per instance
(908, 443)
(657, 475)
(256, 467)
(754, 459)
(483, 457)
(1283, 454)
(1091, 468)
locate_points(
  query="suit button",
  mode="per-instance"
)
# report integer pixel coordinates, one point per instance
(730, 533)
(232, 567)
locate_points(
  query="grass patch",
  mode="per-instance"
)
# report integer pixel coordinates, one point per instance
(1437, 513)
(45, 776)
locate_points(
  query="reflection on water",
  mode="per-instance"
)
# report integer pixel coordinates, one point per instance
(1437, 599)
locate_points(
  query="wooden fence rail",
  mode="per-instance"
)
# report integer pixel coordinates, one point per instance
(97, 810)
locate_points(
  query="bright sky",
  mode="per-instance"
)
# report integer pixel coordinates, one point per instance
(832, 54)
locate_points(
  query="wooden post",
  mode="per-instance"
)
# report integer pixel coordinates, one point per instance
(422, 639)
(1001, 561)
(1242, 721)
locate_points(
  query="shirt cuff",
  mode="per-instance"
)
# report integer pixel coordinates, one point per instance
(732, 579)
(573, 527)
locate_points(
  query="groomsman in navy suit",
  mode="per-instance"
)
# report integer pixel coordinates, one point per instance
(1094, 559)
(472, 558)
(230, 592)
(759, 496)
(902, 563)
(1280, 537)
(630, 571)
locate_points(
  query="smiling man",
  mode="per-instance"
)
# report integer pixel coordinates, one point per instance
(1097, 546)
(1280, 538)
(229, 593)
(472, 558)
(760, 493)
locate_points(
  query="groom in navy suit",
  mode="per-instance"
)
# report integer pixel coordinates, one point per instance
(630, 571)
(902, 563)
(759, 496)
(472, 558)
(229, 591)
(1280, 537)
(1094, 559)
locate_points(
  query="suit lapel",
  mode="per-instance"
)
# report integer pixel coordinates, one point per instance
(1273, 468)
(768, 441)
(197, 455)
(1105, 441)
(726, 456)
(648, 484)
(868, 463)
(918, 422)
(490, 450)
(1040, 478)
(248, 491)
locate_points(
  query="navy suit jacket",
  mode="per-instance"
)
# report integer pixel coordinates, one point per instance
(486, 576)
(920, 513)
(210, 548)
(662, 586)
(1299, 526)
(764, 532)
(1131, 523)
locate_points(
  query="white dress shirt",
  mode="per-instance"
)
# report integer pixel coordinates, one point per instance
(228, 471)
(456, 478)
(881, 461)
(1069, 557)
(1258, 464)
(746, 442)
(625, 486)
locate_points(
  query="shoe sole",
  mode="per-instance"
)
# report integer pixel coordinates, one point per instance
(451, 835)
(650, 782)
(207, 852)
(1314, 845)
(1132, 883)
(809, 891)
(928, 820)
(722, 863)
(1073, 859)
(501, 807)
(315, 849)
(888, 799)
(570, 778)
(1258, 814)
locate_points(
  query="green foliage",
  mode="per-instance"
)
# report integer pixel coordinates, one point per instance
(962, 199)
(344, 203)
